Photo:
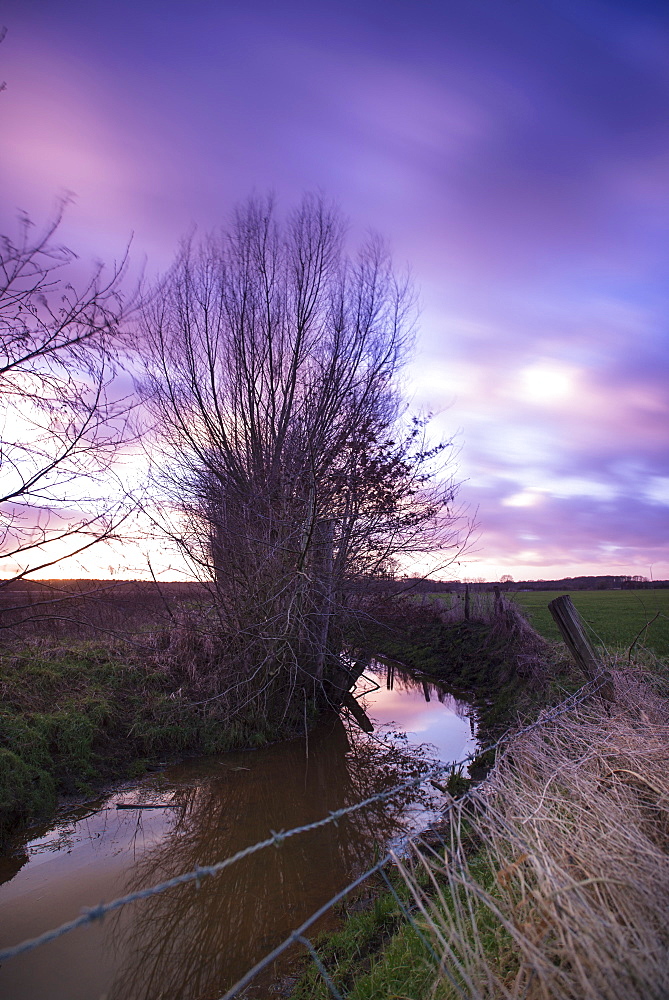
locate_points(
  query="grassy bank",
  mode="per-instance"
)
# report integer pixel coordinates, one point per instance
(78, 715)
(75, 714)
(548, 884)
(495, 655)
(551, 883)
(377, 953)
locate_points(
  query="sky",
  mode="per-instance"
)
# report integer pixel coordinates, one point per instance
(515, 154)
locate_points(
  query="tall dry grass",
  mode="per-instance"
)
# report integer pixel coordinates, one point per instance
(554, 881)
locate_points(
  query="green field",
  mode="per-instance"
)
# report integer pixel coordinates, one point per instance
(614, 617)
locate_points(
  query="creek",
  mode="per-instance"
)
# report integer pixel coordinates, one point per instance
(194, 943)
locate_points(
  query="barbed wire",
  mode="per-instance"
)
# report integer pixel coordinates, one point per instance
(93, 913)
(298, 935)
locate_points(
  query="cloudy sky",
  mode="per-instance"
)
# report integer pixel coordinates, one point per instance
(515, 153)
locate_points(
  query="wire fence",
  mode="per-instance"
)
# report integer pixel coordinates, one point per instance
(299, 934)
(94, 913)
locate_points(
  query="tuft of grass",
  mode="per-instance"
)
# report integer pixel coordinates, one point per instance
(372, 952)
(26, 791)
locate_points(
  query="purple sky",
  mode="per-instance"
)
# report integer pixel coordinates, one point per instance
(515, 153)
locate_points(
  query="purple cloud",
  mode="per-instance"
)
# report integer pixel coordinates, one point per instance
(515, 156)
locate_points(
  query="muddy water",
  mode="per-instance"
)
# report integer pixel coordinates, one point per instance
(194, 943)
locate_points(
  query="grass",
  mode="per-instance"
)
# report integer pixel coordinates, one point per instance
(76, 716)
(148, 685)
(575, 829)
(615, 617)
(496, 655)
(379, 953)
(588, 795)
(551, 885)
(375, 953)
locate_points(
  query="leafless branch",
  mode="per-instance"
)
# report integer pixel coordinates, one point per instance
(288, 472)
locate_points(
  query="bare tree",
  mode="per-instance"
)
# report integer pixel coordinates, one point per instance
(273, 365)
(60, 423)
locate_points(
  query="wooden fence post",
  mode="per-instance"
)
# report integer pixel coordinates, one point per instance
(569, 622)
(466, 602)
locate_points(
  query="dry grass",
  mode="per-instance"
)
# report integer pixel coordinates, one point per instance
(52, 612)
(555, 883)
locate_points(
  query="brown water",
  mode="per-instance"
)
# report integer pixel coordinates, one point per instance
(191, 943)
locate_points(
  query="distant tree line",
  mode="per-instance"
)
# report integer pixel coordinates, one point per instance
(419, 585)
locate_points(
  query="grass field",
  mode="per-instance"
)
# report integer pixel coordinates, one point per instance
(614, 617)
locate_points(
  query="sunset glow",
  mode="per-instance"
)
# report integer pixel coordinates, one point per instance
(546, 384)
(513, 155)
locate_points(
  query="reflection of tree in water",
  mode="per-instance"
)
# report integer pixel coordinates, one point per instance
(11, 865)
(193, 942)
(46, 838)
(399, 679)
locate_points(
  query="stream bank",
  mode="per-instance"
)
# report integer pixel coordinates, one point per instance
(83, 715)
(193, 825)
(552, 884)
(505, 667)
(208, 809)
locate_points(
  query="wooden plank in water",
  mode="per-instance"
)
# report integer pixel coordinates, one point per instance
(143, 805)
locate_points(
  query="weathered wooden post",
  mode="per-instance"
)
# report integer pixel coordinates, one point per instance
(466, 602)
(569, 622)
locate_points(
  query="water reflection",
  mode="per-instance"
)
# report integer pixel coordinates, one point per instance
(208, 938)
(420, 707)
(194, 943)
(398, 677)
